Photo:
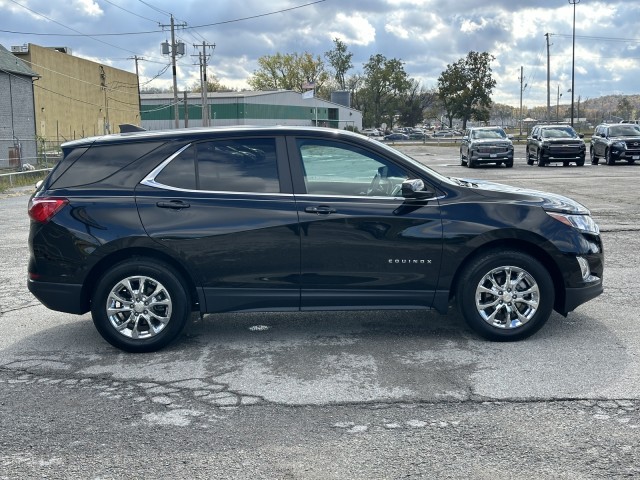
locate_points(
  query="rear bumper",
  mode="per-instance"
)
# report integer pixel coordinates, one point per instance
(62, 297)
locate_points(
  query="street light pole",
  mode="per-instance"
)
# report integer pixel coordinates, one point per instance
(573, 58)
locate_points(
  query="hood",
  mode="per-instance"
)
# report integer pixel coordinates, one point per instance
(626, 137)
(491, 141)
(549, 201)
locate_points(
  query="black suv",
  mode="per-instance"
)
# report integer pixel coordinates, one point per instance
(142, 229)
(486, 145)
(555, 143)
(618, 141)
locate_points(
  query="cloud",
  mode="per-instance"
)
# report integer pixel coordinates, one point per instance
(352, 29)
(88, 7)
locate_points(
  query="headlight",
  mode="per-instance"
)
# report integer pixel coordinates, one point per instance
(619, 145)
(584, 223)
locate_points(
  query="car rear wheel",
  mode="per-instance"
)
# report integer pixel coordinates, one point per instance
(505, 295)
(140, 305)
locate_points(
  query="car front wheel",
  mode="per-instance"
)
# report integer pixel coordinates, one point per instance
(505, 295)
(140, 305)
(529, 159)
(594, 158)
(539, 159)
(608, 157)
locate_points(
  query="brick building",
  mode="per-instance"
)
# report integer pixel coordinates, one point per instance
(75, 97)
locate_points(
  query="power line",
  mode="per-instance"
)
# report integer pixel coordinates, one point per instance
(80, 34)
(152, 7)
(69, 28)
(128, 11)
(602, 39)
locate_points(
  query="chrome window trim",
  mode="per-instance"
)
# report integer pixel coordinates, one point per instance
(150, 181)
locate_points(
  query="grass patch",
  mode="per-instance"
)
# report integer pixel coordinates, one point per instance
(21, 179)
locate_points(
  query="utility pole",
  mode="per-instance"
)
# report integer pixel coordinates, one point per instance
(522, 87)
(573, 57)
(136, 58)
(548, 78)
(203, 81)
(103, 85)
(174, 49)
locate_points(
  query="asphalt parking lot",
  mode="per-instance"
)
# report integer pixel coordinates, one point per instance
(335, 395)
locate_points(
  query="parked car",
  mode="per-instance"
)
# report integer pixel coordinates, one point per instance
(396, 136)
(486, 145)
(443, 133)
(144, 228)
(617, 141)
(555, 143)
(372, 132)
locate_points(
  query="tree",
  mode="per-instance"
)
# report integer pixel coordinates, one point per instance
(213, 85)
(624, 109)
(289, 72)
(465, 88)
(417, 103)
(503, 114)
(385, 80)
(340, 59)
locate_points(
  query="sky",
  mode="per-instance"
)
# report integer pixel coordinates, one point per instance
(426, 35)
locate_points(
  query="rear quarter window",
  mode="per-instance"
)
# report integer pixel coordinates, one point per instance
(98, 162)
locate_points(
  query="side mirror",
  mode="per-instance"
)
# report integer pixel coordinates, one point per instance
(510, 137)
(466, 137)
(413, 188)
(581, 135)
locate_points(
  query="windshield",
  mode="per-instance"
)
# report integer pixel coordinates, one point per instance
(624, 131)
(493, 133)
(559, 132)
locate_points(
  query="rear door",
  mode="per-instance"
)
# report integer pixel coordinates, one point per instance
(225, 209)
(362, 244)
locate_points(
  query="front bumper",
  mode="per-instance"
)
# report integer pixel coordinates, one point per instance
(574, 297)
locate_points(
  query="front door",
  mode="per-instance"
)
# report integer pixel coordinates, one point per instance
(362, 244)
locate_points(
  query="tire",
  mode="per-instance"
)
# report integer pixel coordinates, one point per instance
(471, 163)
(462, 160)
(580, 162)
(529, 159)
(509, 164)
(594, 159)
(565, 164)
(496, 313)
(608, 158)
(158, 311)
(539, 159)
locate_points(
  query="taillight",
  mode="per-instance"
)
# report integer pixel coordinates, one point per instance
(43, 209)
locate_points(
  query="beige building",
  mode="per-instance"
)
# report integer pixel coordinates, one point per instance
(76, 98)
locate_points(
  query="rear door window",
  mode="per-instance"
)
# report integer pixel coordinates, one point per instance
(233, 165)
